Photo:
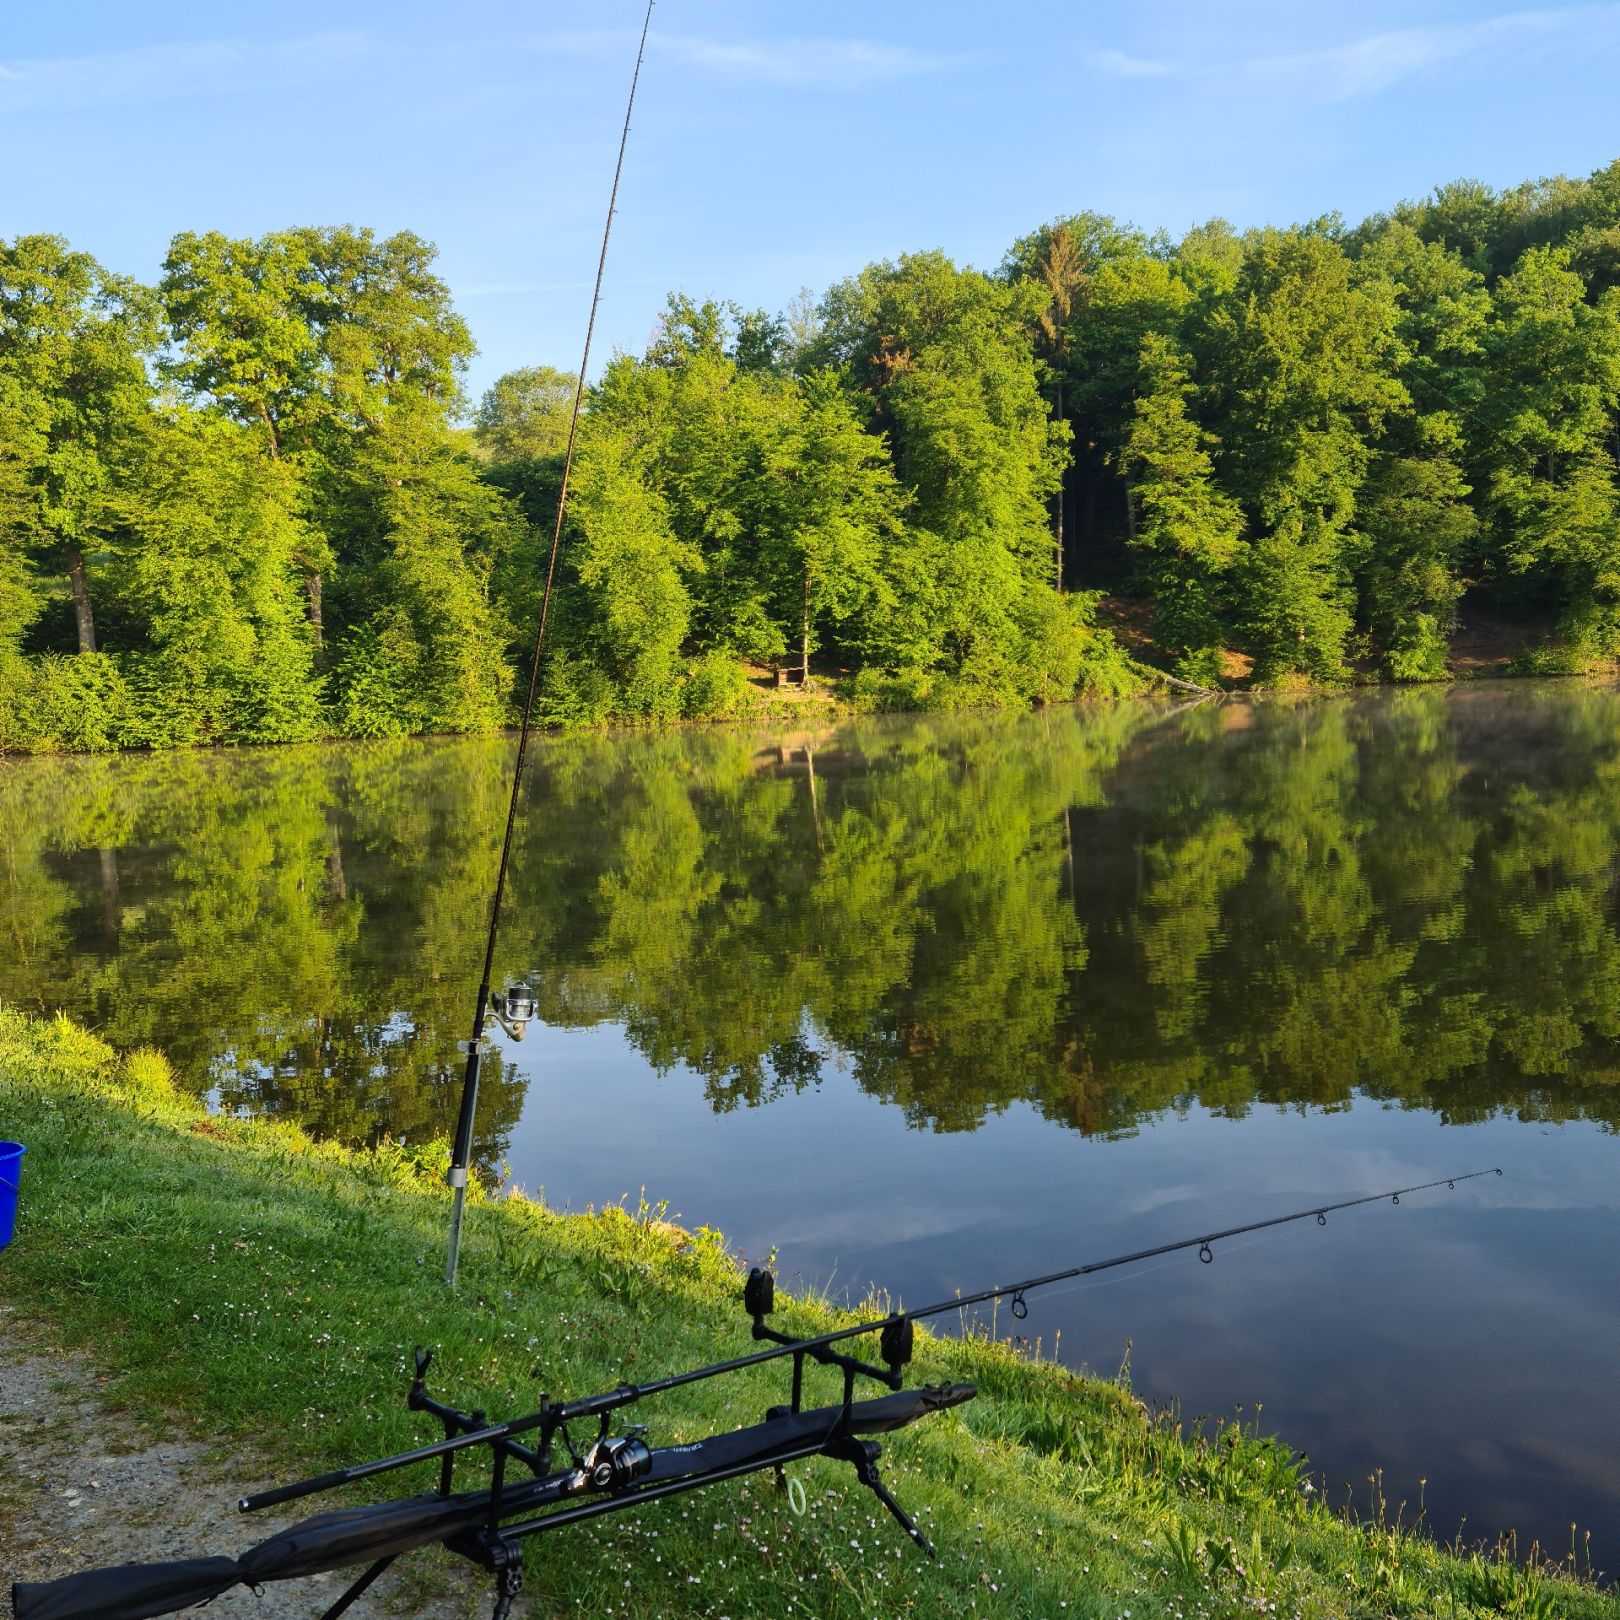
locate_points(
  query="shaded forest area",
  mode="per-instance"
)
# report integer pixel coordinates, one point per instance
(241, 505)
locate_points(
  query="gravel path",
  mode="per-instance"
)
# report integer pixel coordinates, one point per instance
(83, 1485)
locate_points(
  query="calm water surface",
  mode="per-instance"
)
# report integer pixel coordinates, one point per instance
(935, 1003)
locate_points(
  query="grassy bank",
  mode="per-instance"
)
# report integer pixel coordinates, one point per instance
(267, 1288)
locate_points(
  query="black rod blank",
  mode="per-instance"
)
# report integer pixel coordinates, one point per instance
(1016, 1290)
(557, 1413)
(462, 1144)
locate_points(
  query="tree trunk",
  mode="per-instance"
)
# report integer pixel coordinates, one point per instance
(81, 600)
(270, 428)
(815, 807)
(1063, 479)
(112, 914)
(317, 623)
(1130, 511)
(336, 884)
(804, 644)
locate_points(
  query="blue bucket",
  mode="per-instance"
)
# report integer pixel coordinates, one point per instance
(10, 1174)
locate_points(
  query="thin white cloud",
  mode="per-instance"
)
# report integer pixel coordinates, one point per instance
(838, 64)
(830, 62)
(1122, 65)
(524, 289)
(1366, 67)
(189, 69)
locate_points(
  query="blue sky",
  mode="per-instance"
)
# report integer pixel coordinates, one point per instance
(775, 146)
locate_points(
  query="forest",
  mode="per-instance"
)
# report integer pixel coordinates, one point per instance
(253, 503)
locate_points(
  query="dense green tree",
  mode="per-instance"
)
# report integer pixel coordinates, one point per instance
(245, 344)
(836, 517)
(1100, 287)
(1130, 298)
(635, 567)
(1544, 433)
(1418, 529)
(1594, 240)
(1414, 514)
(206, 559)
(1212, 250)
(1056, 261)
(1465, 216)
(1321, 446)
(1190, 532)
(19, 603)
(426, 649)
(386, 331)
(1442, 309)
(1301, 362)
(700, 431)
(945, 359)
(313, 337)
(524, 413)
(73, 342)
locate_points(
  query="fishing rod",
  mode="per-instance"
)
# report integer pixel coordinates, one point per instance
(514, 1008)
(759, 1300)
(612, 1473)
(895, 1341)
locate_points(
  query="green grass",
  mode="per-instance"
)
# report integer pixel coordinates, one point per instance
(266, 1288)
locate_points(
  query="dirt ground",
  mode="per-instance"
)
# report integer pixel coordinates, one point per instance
(84, 1485)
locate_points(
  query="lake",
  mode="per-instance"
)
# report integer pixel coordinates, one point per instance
(933, 1003)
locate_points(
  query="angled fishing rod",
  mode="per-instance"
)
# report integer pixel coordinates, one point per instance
(611, 1473)
(895, 1330)
(516, 1006)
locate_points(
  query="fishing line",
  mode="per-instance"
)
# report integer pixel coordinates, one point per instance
(461, 1152)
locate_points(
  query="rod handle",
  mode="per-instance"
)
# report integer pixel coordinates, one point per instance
(291, 1493)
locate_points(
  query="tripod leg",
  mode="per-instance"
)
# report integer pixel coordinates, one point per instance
(867, 1472)
(354, 1591)
(511, 1583)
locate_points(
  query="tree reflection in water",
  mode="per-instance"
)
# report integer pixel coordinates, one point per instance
(1107, 913)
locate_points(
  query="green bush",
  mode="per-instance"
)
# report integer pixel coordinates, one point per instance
(884, 691)
(1202, 666)
(18, 729)
(1420, 652)
(716, 687)
(573, 693)
(81, 702)
(1555, 656)
(1100, 665)
(378, 681)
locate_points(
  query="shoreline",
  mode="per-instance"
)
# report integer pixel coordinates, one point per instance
(827, 707)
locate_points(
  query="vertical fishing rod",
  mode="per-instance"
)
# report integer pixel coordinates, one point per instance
(461, 1151)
